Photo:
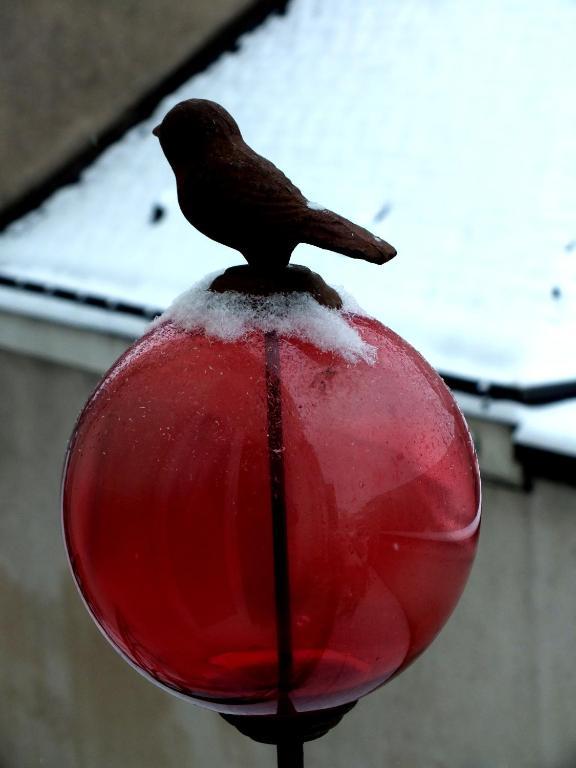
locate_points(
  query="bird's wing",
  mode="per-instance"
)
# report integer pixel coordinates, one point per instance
(261, 195)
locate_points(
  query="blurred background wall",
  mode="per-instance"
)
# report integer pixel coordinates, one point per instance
(69, 68)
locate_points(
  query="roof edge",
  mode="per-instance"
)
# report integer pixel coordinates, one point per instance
(545, 464)
(223, 40)
(528, 394)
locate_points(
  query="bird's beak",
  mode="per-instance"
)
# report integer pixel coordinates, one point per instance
(156, 131)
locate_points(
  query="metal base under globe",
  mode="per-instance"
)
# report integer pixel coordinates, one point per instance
(289, 732)
(297, 727)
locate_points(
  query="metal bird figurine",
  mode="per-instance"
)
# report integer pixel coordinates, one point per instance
(240, 199)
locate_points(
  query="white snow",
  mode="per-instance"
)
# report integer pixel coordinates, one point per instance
(315, 206)
(456, 118)
(549, 427)
(231, 315)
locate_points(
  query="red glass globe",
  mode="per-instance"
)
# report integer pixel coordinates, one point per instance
(168, 515)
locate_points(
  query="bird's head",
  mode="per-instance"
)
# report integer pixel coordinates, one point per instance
(189, 128)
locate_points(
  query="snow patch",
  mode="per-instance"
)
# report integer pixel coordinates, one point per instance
(230, 316)
(315, 206)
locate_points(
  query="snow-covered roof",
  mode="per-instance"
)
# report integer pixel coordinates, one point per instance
(445, 127)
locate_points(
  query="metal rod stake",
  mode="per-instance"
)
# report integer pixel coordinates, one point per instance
(290, 754)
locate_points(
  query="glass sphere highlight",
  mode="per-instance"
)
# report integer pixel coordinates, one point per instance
(168, 515)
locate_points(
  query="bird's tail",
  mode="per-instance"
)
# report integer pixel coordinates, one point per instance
(335, 233)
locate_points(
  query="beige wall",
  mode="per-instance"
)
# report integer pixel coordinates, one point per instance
(496, 690)
(70, 67)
